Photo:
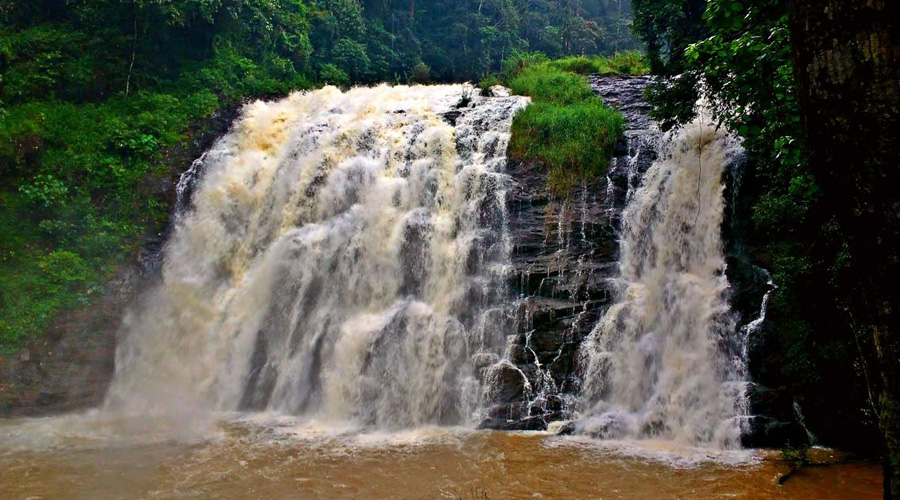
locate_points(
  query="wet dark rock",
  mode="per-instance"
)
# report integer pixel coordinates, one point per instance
(625, 93)
(71, 366)
(508, 383)
(567, 429)
(775, 422)
(767, 432)
(565, 252)
(518, 424)
(451, 116)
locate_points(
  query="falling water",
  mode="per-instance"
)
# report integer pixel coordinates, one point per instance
(342, 256)
(665, 361)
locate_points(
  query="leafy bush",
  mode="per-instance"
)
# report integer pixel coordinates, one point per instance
(76, 196)
(332, 75)
(421, 73)
(44, 191)
(486, 83)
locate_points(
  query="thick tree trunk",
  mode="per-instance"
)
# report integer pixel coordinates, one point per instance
(847, 54)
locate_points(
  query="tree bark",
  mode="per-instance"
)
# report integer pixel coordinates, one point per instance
(847, 56)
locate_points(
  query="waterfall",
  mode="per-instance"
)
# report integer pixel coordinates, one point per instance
(665, 361)
(342, 255)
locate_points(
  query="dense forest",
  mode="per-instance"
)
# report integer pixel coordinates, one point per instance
(100, 100)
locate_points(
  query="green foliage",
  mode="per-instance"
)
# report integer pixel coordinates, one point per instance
(567, 128)
(44, 192)
(421, 74)
(573, 140)
(77, 196)
(332, 75)
(97, 99)
(377, 40)
(42, 62)
(628, 63)
(667, 28)
(547, 84)
(490, 81)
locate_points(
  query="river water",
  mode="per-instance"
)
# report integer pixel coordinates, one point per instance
(277, 457)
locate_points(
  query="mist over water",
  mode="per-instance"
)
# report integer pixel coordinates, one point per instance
(665, 361)
(340, 257)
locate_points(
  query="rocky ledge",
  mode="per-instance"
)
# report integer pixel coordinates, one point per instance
(565, 252)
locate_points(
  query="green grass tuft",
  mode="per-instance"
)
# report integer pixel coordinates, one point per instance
(567, 128)
(550, 85)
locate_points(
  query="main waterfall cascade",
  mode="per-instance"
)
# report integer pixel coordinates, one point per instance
(346, 256)
(666, 360)
(343, 256)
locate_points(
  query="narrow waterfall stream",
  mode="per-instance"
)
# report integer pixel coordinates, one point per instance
(341, 258)
(665, 361)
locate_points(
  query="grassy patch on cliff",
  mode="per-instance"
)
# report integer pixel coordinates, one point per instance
(631, 62)
(567, 128)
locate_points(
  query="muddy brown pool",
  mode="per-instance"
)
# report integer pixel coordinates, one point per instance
(244, 460)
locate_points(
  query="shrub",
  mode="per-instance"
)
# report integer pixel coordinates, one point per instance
(421, 73)
(485, 84)
(580, 65)
(567, 128)
(44, 191)
(332, 75)
(518, 61)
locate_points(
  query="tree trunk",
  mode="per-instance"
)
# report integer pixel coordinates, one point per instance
(847, 55)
